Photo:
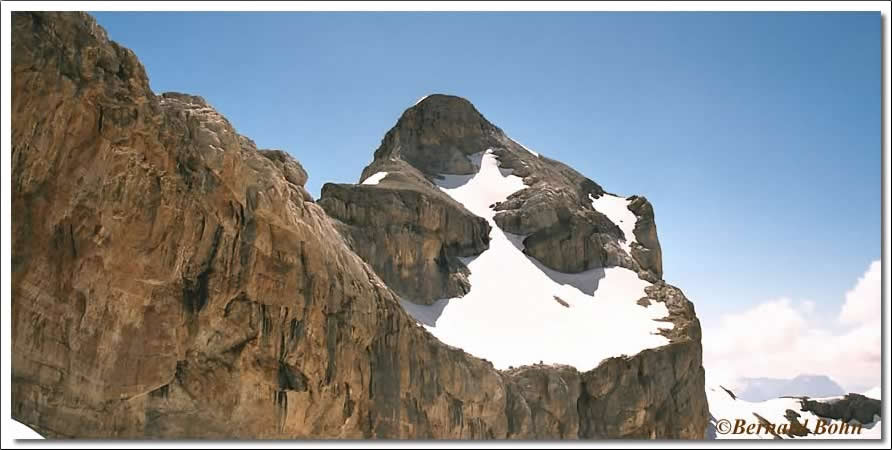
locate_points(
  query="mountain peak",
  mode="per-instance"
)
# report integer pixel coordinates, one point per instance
(436, 134)
(437, 100)
(449, 115)
(445, 135)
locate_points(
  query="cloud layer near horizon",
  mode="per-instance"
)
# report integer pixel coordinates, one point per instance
(780, 338)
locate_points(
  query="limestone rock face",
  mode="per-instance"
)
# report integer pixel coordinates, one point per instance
(655, 394)
(646, 251)
(411, 236)
(562, 229)
(171, 280)
(436, 135)
(405, 227)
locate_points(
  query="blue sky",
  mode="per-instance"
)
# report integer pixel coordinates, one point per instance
(755, 135)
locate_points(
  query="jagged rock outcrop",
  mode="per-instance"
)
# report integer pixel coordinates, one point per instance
(562, 229)
(416, 249)
(410, 232)
(646, 250)
(851, 407)
(170, 280)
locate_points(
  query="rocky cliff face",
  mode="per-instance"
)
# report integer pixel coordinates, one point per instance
(171, 280)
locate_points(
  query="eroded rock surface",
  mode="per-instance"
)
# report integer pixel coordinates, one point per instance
(409, 232)
(170, 280)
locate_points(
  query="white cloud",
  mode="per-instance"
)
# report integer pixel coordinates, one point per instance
(863, 301)
(778, 338)
(808, 306)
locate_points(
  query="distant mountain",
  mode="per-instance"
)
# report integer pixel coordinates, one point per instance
(761, 389)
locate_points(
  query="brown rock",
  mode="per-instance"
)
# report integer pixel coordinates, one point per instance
(410, 234)
(436, 136)
(646, 250)
(575, 244)
(563, 231)
(655, 393)
(796, 428)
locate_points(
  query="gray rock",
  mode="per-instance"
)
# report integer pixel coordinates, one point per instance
(436, 136)
(646, 250)
(851, 407)
(410, 234)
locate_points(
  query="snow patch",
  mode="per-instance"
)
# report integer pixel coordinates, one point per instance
(425, 314)
(421, 99)
(19, 430)
(526, 148)
(510, 315)
(375, 178)
(617, 210)
(875, 393)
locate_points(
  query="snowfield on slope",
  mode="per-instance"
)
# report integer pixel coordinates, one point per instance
(724, 407)
(421, 99)
(520, 312)
(19, 430)
(375, 178)
(536, 154)
(617, 210)
(875, 392)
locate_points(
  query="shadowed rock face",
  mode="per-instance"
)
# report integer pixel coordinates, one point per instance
(408, 230)
(852, 406)
(436, 135)
(562, 229)
(171, 280)
(413, 237)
